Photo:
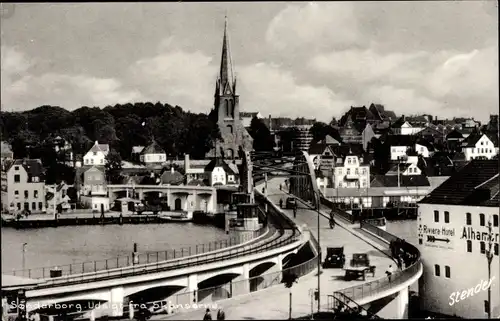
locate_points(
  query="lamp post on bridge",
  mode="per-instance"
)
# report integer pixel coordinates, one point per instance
(24, 256)
(489, 258)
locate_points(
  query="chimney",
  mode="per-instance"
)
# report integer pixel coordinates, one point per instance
(270, 123)
(186, 162)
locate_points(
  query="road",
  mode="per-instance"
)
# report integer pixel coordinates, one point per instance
(273, 303)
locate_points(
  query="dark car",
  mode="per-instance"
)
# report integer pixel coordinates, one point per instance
(291, 202)
(335, 258)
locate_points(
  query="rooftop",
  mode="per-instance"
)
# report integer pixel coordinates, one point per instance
(476, 184)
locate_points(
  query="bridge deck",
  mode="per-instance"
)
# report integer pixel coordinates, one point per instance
(272, 303)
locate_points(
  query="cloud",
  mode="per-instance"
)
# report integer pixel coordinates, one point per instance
(180, 78)
(21, 89)
(313, 26)
(271, 90)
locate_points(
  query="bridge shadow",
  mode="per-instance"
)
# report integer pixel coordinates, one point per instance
(153, 294)
(219, 287)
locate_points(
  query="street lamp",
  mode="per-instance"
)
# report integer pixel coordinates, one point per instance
(318, 204)
(24, 259)
(489, 258)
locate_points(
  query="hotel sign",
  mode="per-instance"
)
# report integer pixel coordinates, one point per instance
(469, 233)
(436, 237)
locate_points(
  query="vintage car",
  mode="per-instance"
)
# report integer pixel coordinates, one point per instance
(335, 258)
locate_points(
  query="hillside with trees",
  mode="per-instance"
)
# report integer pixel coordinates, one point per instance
(121, 126)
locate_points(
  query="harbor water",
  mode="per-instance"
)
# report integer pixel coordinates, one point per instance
(49, 247)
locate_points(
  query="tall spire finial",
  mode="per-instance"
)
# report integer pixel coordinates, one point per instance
(226, 70)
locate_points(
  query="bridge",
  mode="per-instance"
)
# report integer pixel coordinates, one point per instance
(228, 271)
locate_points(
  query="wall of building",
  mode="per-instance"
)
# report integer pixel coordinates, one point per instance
(218, 176)
(23, 195)
(398, 151)
(98, 159)
(445, 244)
(484, 147)
(153, 158)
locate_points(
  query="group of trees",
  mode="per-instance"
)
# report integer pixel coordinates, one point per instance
(122, 126)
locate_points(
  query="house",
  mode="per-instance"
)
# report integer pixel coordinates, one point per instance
(460, 211)
(171, 177)
(153, 154)
(63, 149)
(136, 153)
(359, 116)
(94, 182)
(381, 114)
(246, 117)
(424, 148)
(351, 173)
(222, 173)
(320, 153)
(6, 153)
(432, 134)
(408, 168)
(404, 126)
(96, 155)
(59, 200)
(479, 146)
(454, 140)
(194, 172)
(25, 186)
(399, 144)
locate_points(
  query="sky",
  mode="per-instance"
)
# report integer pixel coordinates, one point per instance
(291, 59)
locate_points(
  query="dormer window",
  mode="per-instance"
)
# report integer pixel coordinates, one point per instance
(95, 153)
(16, 168)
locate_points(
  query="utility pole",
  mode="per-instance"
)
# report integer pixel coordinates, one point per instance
(489, 258)
(24, 259)
(319, 253)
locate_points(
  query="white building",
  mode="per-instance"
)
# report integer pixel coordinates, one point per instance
(222, 173)
(96, 155)
(453, 241)
(352, 173)
(479, 146)
(153, 154)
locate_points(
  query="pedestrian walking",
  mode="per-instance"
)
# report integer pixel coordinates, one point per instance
(389, 272)
(281, 203)
(208, 315)
(332, 223)
(400, 263)
(221, 315)
(295, 212)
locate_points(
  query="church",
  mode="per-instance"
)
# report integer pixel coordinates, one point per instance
(227, 110)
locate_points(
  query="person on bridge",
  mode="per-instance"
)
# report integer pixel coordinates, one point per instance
(281, 203)
(208, 315)
(389, 272)
(221, 315)
(332, 220)
(295, 211)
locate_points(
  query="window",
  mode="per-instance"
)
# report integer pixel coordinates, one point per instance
(482, 143)
(446, 217)
(437, 271)
(486, 306)
(16, 168)
(348, 160)
(19, 206)
(481, 219)
(102, 161)
(495, 248)
(483, 247)
(436, 216)
(95, 153)
(35, 194)
(33, 206)
(468, 219)
(40, 206)
(447, 271)
(469, 246)
(348, 171)
(26, 194)
(17, 178)
(16, 193)
(91, 161)
(495, 220)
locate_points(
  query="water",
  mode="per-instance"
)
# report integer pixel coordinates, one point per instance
(48, 247)
(404, 229)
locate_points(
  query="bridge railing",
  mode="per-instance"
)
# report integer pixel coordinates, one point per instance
(340, 212)
(202, 259)
(365, 290)
(141, 258)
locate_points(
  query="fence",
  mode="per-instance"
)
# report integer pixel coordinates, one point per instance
(280, 240)
(141, 259)
(365, 290)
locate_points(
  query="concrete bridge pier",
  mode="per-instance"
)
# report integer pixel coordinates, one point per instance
(402, 303)
(116, 300)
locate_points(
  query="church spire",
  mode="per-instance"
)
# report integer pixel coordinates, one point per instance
(226, 69)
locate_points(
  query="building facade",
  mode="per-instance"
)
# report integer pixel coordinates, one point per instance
(454, 238)
(479, 146)
(96, 155)
(353, 173)
(153, 154)
(94, 182)
(25, 187)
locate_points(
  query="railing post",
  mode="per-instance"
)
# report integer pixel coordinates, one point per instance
(166, 255)
(174, 253)
(95, 266)
(182, 252)
(106, 265)
(118, 262)
(190, 250)
(128, 260)
(157, 257)
(147, 260)
(196, 248)
(70, 269)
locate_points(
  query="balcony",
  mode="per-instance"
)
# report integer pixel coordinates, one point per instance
(352, 176)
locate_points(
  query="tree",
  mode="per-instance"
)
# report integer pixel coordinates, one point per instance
(262, 138)
(289, 279)
(113, 167)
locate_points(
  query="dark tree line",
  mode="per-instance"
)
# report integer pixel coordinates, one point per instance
(122, 126)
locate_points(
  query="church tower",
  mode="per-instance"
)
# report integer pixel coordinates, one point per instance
(227, 109)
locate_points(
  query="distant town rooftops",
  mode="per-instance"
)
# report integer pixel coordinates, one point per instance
(476, 184)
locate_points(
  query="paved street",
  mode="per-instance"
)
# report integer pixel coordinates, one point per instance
(272, 303)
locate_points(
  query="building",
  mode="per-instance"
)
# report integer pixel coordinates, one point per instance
(171, 177)
(479, 146)
(136, 153)
(63, 149)
(453, 239)
(94, 182)
(381, 114)
(96, 155)
(351, 173)
(153, 154)
(409, 126)
(303, 138)
(25, 186)
(246, 117)
(221, 172)
(227, 109)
